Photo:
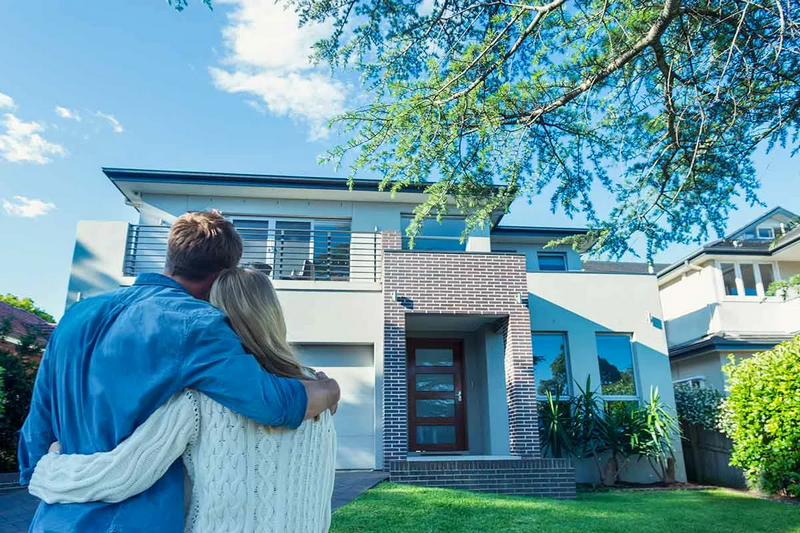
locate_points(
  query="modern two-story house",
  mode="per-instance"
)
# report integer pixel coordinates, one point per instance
(715, 301)
(443, 351)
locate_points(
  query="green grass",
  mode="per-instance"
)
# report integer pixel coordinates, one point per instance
(391, 508)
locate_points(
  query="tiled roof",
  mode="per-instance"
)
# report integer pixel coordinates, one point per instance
(20, 319)
(621, 267)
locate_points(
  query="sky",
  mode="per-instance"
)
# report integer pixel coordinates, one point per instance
(133, 83)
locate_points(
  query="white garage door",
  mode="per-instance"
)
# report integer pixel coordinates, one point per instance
(353, 368)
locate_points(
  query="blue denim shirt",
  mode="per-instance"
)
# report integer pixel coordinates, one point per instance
(111, 362)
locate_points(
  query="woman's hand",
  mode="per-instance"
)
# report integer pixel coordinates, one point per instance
(55, 448)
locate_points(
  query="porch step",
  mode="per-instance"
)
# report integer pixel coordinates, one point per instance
(9, 481)
(551, 478)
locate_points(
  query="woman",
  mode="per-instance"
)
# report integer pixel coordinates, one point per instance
(244, 476)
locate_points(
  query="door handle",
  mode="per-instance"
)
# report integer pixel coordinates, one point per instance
(458, 396)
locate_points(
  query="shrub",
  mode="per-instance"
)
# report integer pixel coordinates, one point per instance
(698, 406)
(762, 417)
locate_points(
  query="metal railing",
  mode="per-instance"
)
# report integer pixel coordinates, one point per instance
(284, 254)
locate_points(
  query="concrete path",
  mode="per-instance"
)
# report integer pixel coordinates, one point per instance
(17, 506)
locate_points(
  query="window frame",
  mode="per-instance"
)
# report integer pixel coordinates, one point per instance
(562, 255)
(567, 361)
(634, 363)
(698, 380)
(771, 231)
(761, 290)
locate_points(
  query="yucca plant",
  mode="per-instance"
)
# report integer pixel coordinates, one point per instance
(556, 423)
(654, 440)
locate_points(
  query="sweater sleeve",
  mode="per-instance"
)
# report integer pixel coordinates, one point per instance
(127, 470)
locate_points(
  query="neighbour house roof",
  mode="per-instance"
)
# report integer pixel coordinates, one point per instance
(732, 341)
(621, 267)
(20, 319)
(733, 244)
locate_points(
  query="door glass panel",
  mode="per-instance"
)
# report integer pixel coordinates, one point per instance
(749, 279)
(434, 356)
(436, 434)
(435, 382)
(292, 249)
(729, 279)
(436, 408)
(255, 242)
(767, 276)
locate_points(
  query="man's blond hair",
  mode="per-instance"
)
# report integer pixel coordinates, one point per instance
(202, 244)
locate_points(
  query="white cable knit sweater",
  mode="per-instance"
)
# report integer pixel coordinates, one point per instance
(244, 477)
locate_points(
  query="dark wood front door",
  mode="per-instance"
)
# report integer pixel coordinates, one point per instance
(436, 420)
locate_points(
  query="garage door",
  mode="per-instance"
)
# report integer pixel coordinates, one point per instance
(353, 368)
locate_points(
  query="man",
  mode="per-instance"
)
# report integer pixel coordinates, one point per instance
(117, 357)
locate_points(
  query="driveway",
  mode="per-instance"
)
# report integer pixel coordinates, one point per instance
(17, 506)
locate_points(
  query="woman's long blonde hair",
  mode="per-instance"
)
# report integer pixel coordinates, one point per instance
(251, 303)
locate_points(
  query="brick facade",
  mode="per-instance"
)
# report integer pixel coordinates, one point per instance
(552, 478)
(456, 284)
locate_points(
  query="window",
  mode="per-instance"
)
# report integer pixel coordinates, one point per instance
(444, 236)
(550, 363)
(698, 382)
(296, 248)
(766, 233)
(552, 261)
(747, 279)
(615, 357)
(729, 279)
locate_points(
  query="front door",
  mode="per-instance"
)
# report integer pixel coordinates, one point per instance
(436, 420)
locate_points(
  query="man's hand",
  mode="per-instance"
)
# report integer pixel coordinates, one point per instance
(323, 394)
(334, 407)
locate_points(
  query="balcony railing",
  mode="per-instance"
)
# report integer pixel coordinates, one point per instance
(284, 254)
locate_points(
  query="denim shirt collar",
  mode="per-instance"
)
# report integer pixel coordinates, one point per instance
(153, 278)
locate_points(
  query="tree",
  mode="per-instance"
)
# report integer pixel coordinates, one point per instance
(760, 416)
(658, 104)
(17, 386)
(28, 305)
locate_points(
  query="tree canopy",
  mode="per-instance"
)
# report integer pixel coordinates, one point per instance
(656, 104)
(26, 304)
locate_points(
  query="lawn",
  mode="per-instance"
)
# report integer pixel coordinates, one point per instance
(393, 508)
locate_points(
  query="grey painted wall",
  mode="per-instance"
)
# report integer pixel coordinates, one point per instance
(97, 259)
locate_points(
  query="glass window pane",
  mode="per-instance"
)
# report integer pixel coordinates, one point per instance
(550, 360)
(766, 233)
(434, 357)
(331, 249)
(436, 434)
(292, 249)
(436, 408)
(616, 365)
(426, 239)
(552, 261)
(729, 279)
(255, 241)
(435, 383)
(748, 279)
(767, 276)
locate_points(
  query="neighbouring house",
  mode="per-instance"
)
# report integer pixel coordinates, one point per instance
(443, 351)
(715, 301)
(21, 322)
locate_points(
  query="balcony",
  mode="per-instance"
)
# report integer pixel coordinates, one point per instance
(282, 253)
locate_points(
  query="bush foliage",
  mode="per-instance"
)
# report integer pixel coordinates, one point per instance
(698, 406)
(762, 417)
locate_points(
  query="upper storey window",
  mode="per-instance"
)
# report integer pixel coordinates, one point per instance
(436, 236)
(765, 233)
(746, 279)
(552, 261)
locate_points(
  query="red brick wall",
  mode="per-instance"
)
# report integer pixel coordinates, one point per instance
(456, 283)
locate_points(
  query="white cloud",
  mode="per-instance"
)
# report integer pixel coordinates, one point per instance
(6, 102)
(63, 112)
(19, 206)
(267, 57)
(112, 120)
(21, 142)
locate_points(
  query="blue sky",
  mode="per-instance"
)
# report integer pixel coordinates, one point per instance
(228, 90)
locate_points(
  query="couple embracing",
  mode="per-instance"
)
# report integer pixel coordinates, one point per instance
(177, 404)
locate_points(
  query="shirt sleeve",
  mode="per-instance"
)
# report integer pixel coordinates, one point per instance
(129, 469)
(37, 434)
(215, 363)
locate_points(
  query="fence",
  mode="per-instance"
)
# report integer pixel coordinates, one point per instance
(707, 455)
